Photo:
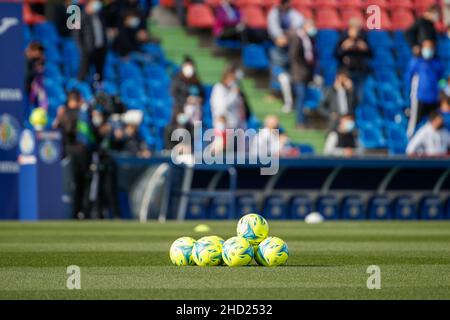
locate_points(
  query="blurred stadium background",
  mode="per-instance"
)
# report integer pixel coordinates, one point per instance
(135, 179)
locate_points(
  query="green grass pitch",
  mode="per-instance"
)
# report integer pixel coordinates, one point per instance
(128, 260)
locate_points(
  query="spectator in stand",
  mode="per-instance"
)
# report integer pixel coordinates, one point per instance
(184, 81)
(92, 40)
(282, 21)
(423, 75)
(128, 141)
(270, 139)
(342, 140)
(131, 34)
(228, 24)
(423, 29)
(179, 121)
(226, 100)
(339, 100)
(433, 139)
(445, 109)
(353, 52)
(193, 106)
(302, 62)
(34, 75)
(79, 154)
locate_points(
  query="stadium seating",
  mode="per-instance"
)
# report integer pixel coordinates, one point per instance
(220, 208)
(274, 207)
(200, 16)
(254, 56)
(300, 206)
(405, 208)
(352, 208)
(245, 204)
(328, 206)
(379, 208)
(196, 208)
(431, 208)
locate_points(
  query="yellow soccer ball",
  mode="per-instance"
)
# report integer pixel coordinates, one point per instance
(253, 227)
(207, 251)
(272, 252)
(181, 251)
(237, 251)
(38, 118)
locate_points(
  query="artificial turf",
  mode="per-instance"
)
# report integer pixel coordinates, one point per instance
(127, 260)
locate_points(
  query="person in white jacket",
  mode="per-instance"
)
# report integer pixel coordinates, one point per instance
(432, 140)
(226, 101)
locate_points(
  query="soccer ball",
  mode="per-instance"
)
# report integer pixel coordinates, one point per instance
(181, 251)
(207, 251)
(253, 227)
(38, 118)
(216, 239)
(272, 252)
(237, 251)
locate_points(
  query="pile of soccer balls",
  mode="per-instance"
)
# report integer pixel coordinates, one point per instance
(252, 242)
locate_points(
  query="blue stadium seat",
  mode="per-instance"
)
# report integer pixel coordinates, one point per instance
(274, 207)
(368, 114)
(300, 207)
(254, 56)
(52, 71)
(431, 208)
(328, 206)
(405, 208)
(397, 139)
(110, 87)
(130, 71)
(55, 93)
(396, 117)
(220, 208)
(147, 135)
(158, 90)
(305, 149)
(52, 52)
(383, 58)
(245, 204)
(228, 44)
(372, 138)
(352, 208)
(312, 98)
(443, 49)
(155, 51)
(133, 95)
(390, 97)
(196, 208)
(380, 208)
(46, 31)
(156, 75)
(380, 39)
(327, 38)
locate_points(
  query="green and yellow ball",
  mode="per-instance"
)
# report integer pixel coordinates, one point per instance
(253, 227)
(181, 251)
(237, 251)
(207, 251)
(272, 252)
(38, 118)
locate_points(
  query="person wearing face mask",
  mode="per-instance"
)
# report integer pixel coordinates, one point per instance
(422, 76)
(353, 53)
(179, 121)
(303, 60)
(423, 29)
(184, 81)
(433, 139)
(92, 40)
(339, 100)
(226, 101)
(343, 140)
(131, 34)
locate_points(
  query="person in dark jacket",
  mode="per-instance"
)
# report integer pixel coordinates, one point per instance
(423, 76)
(131, 34)
(423, 29)
(340, 99)
(353, 52)
(92, 40)
(302, 62)
(79, 155)
(183, 81)
(342, 141)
